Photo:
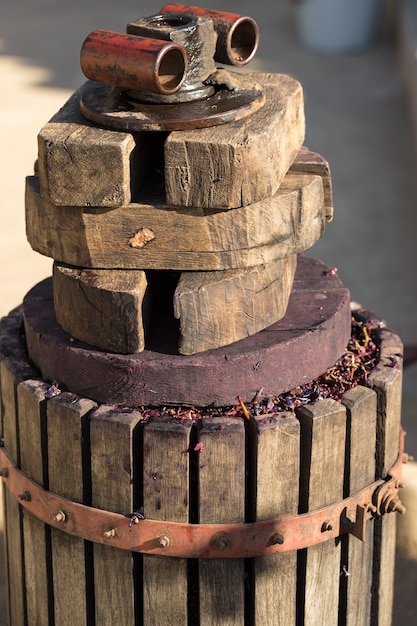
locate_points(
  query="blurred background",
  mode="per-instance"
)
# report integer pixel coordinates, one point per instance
(359, 74)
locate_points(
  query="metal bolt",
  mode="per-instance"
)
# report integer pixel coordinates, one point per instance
(276, 539)
(221, 542)
(400, 508)
(163, 542)
(60, 516)
(4, 472)
(111, 532)
(371, 507)
(326, 526)
(24, 496)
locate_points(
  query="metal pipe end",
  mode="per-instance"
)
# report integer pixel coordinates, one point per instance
(171, 68)
(242, 41)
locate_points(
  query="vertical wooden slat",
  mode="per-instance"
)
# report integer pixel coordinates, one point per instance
(165, 497)
(386, 380)
(323, 434)
(112, 489)
(278, 458)
(360, 403)
(32, 431)
(14, 369)
(222, 499)
(66, 416)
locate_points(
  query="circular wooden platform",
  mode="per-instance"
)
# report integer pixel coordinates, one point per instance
(308, 340)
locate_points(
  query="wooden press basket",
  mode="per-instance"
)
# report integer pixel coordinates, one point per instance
(76, 471)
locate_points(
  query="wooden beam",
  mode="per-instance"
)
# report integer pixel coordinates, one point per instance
(150, 235)
(81, 164)
(219, 308)
(242, 162)
(104, 308)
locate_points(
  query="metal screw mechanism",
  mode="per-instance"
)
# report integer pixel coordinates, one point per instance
(111, 532)
(168, 59)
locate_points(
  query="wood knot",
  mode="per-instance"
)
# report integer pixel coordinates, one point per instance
(141, 238)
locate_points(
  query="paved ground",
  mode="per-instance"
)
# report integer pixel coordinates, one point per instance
(357, 118)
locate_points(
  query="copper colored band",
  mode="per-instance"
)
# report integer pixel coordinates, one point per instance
(203, 540)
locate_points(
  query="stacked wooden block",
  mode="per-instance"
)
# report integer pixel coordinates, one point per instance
(203, 226)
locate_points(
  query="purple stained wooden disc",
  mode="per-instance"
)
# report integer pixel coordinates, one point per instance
(309, 339)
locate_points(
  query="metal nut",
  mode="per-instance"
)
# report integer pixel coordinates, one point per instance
(25, 496)
(198, 38)
(163, 542)
(111, 532)
(221, 542)
(276, 539)
(60, 516)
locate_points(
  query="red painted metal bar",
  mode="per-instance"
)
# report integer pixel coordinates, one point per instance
(238, 35)
(205, 540)
(134, 62)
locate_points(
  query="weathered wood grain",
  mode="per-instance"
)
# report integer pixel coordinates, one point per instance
(166, 446)
(105, 308)
(148, 234)
(360, 403)
(14, 368)
(308, 162)
(221, 500)
(33, 453)
(242, 162)
(112, 433)
(308, 340)
(67, 418)
(323, 436)
(81, 164)
(218, 308)
(386, 380)
(276, 441)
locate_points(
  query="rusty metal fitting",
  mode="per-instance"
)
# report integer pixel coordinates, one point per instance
(237, 35)
(4, 472)
(109, 533)
(24, 497)
(276, 539)
(133, 62)
(220, 542)
(60, 516)
(407, 458)
(197, 37)
(386, 498)
(163, 542)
